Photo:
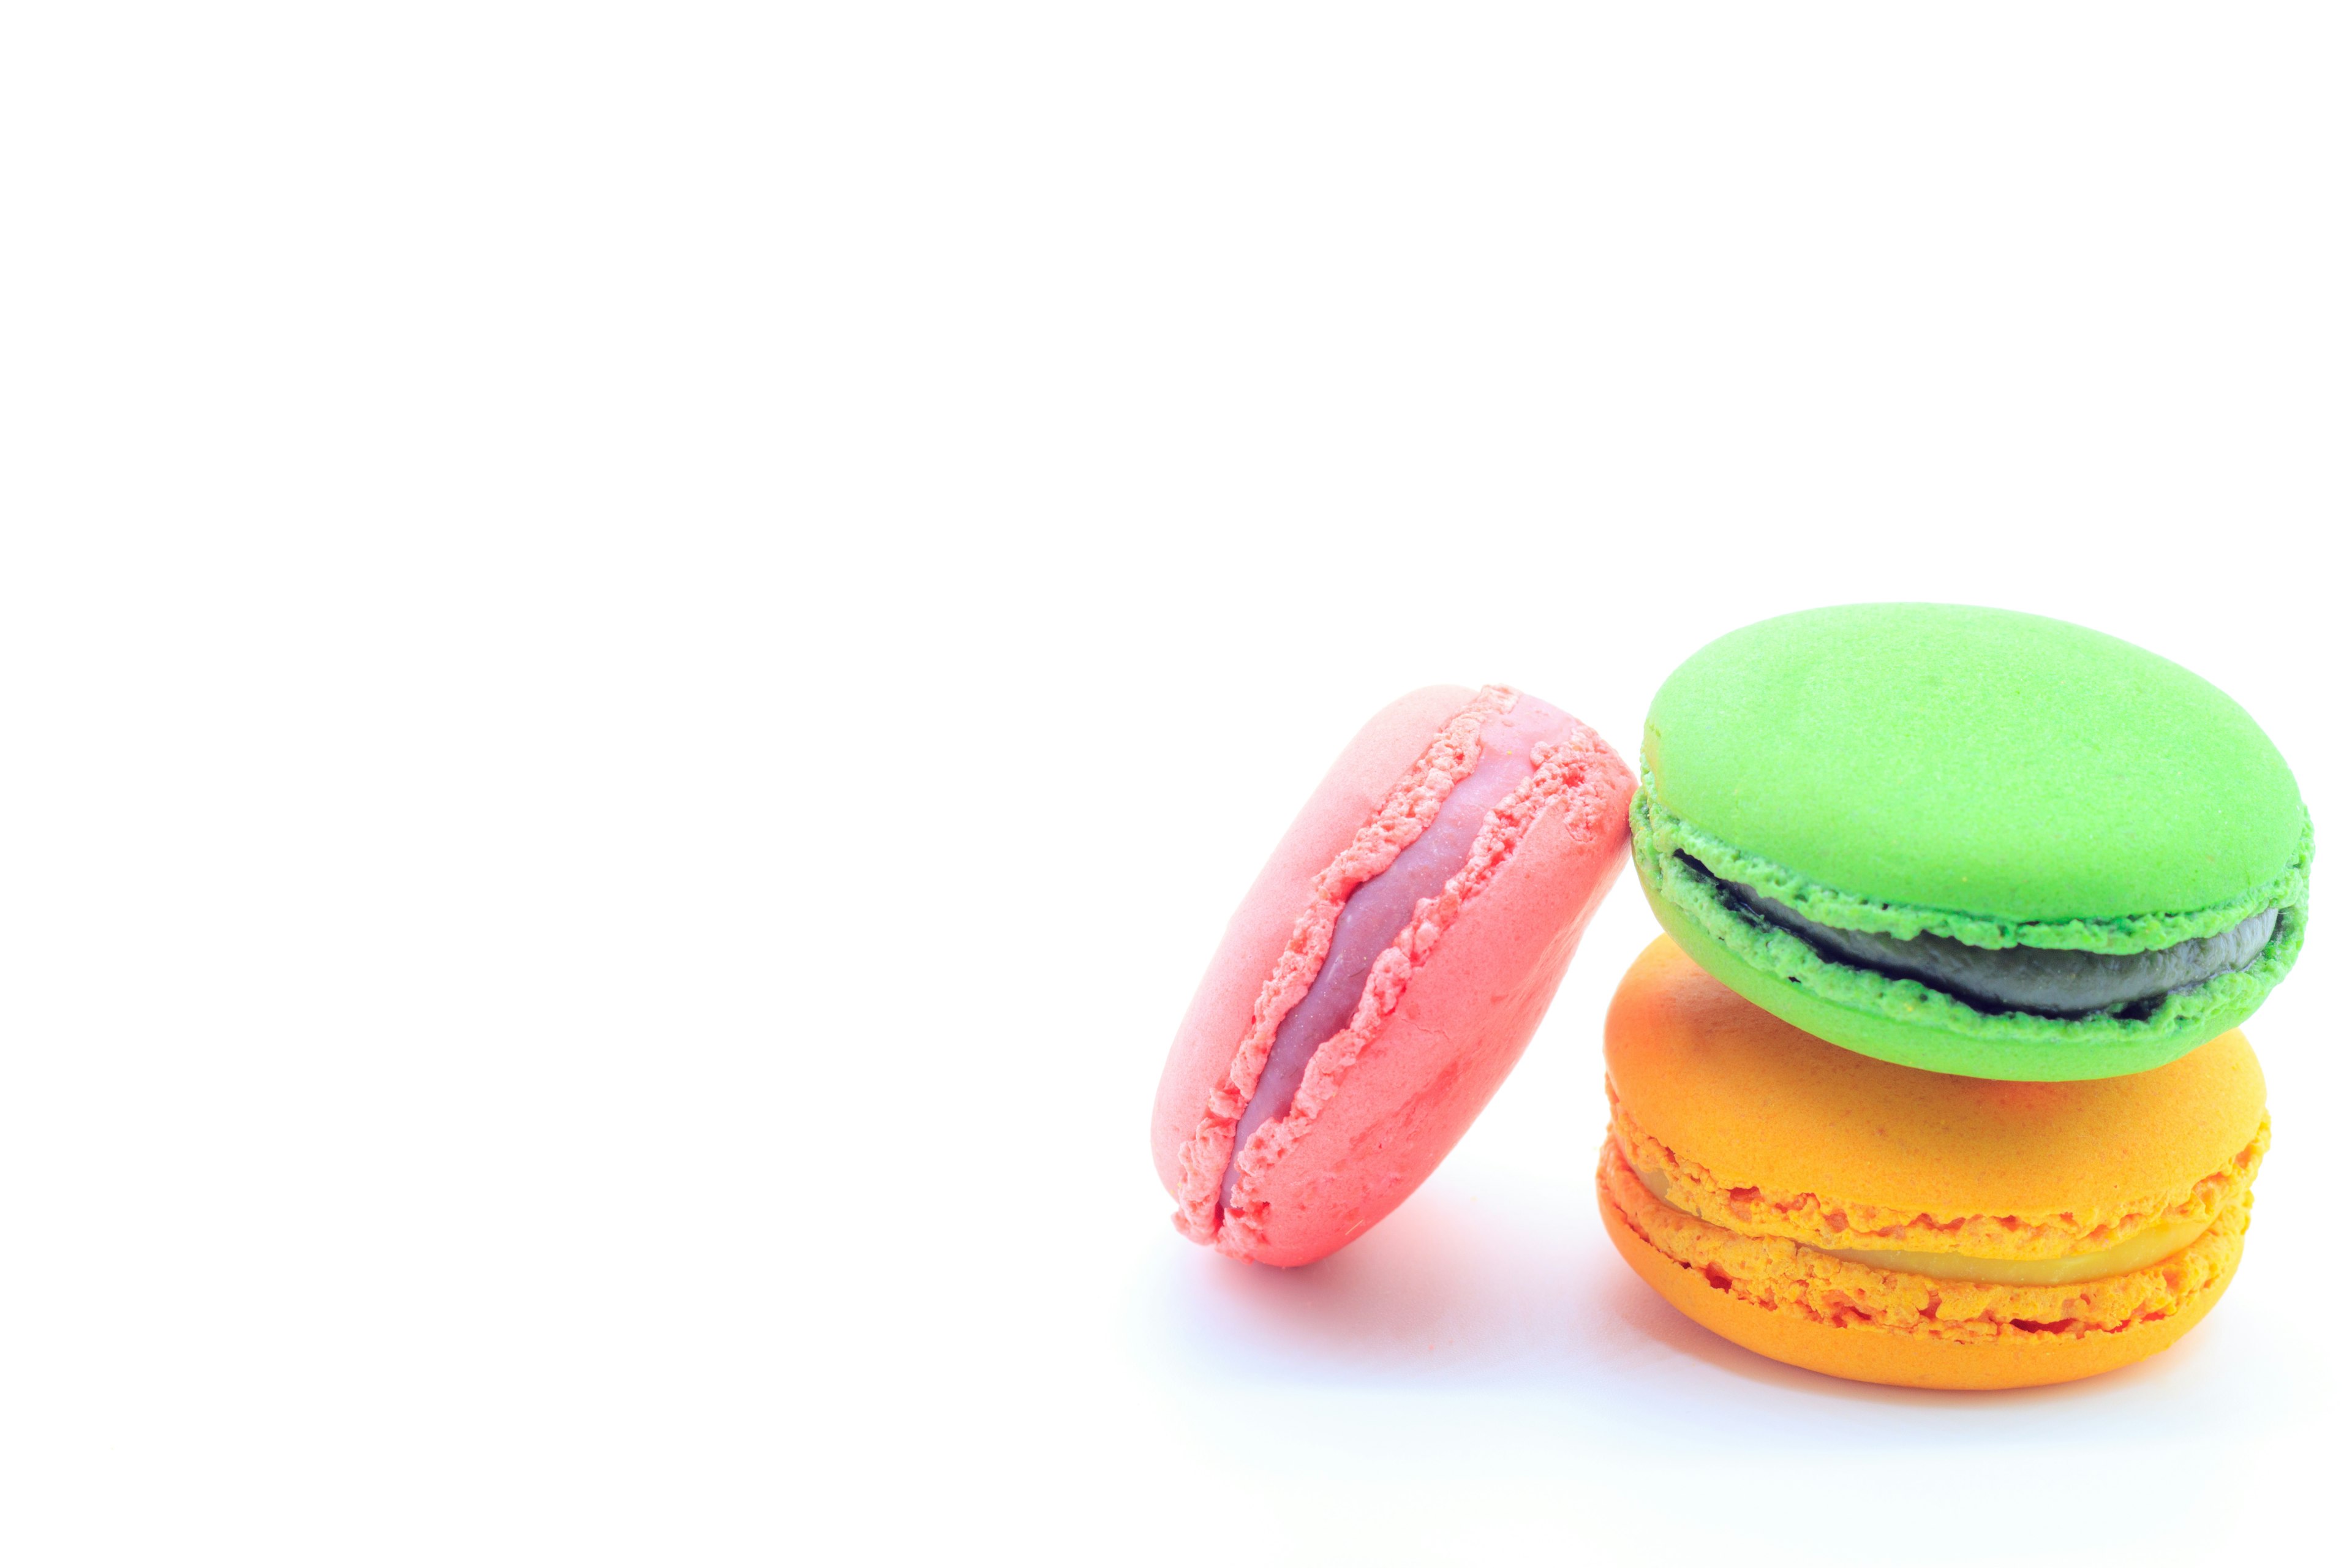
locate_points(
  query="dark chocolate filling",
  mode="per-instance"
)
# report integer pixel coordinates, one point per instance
(2055, 981)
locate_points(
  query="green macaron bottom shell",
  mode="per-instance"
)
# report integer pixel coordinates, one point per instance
(1913, 1024)
(2119, 933)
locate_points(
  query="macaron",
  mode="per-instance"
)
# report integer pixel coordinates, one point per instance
(1386, 970)
(1970, 840)
(1875, 1222)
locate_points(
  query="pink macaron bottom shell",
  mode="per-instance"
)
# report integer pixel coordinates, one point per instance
(1416, 1088)
(1201, 1063)
(1454, 1016)
(1380, 909)
(1446, 1008)
(1408, 805)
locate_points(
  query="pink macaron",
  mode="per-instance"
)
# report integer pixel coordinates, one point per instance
(1386, 970)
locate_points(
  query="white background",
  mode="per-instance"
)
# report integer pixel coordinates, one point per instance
(641, 650)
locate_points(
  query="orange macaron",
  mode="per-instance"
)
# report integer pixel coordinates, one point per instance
(1882, 1223)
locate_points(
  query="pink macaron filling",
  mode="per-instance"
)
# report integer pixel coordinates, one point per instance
(1382, 908)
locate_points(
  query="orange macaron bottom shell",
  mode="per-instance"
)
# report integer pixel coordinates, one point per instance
(1890, 1225)
(1803, 1307)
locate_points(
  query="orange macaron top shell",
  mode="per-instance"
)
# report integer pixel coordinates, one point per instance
(1884, 1223)
(1733, 1088)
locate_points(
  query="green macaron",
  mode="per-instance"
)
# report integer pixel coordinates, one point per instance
(1972, 841)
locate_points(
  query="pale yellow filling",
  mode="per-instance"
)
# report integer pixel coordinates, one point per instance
(2153, 1245)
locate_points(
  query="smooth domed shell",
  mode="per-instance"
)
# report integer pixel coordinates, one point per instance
(1755, 1099)
(1974, 760)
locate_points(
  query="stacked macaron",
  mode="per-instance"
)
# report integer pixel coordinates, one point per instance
(1938, 1080)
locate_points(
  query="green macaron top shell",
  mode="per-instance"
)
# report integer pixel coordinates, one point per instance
(1981, 763)
(1997, 779)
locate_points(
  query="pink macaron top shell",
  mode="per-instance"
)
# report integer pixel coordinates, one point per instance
(1446, 1006)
